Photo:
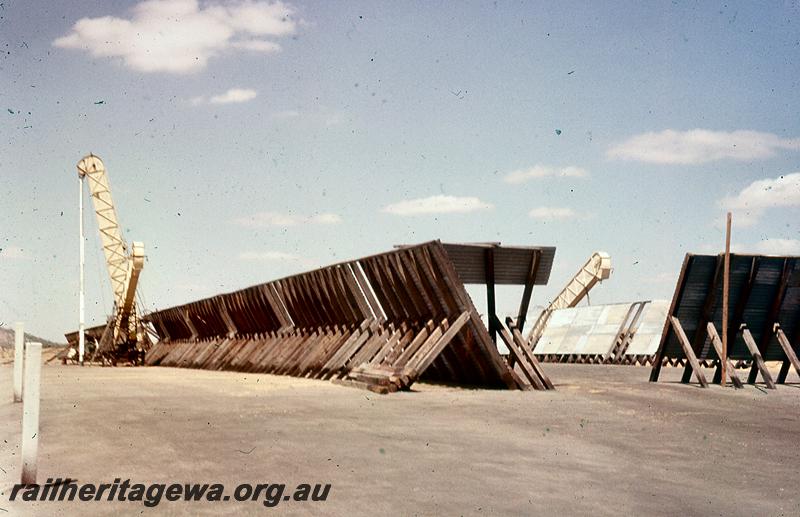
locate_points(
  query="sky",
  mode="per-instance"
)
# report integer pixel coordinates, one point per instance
(248, 140)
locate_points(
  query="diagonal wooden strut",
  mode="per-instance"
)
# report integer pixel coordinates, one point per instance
(758, 361)
(787, 349)
(688, 351)
(730, 371)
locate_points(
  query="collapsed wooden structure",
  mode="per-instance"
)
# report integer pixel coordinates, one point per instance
(379, 322)
(764, 319)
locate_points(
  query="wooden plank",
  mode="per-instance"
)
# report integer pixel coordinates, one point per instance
(389, 304)
(491, 310)
(723, 354)
(418, 344)
(521, 361)
(361, 298)
(426, 355)
(352, 298)
(717, 342)
(526, 350)
(338, 361)
(366, 288)
(392, 358)
(676, 297)
(399, 285)
(688, 351)
(384, 352)
(528, 290)
(787, 349)
(757, 359)
(406, 261)
(371, 348)
(375, 388)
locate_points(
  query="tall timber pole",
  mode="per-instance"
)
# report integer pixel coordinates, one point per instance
(725, 286)
(82, 309)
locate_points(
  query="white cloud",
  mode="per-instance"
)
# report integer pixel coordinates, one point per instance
(180, 36)
(257, 45)
(12, 252)
(551, 213)
(234, 95)
(751, 202)
(543, 171)
(700, 146)
(265, 219)
(437, 205)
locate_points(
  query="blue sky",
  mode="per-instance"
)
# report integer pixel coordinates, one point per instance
(250, 140)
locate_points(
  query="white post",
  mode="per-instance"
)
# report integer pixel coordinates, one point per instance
(81, 323)
(30, 412)
(19, 350)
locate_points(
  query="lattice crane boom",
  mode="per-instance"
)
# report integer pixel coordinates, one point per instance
(596, 269)
(124, 267)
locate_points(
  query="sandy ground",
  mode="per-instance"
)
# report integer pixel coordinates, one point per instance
(607, 442)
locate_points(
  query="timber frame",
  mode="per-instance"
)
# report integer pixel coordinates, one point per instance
(765, 295)
(379, 322)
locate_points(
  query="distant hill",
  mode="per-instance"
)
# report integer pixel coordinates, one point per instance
(7, 339)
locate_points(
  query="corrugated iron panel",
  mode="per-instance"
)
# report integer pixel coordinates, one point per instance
(764, 290)
(511, 263)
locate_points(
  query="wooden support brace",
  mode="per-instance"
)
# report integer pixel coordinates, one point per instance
(226, 317)
(687, 350)
(730, 371)
(490, 293)
(757, 359)
(521, 360)
(528, 290)
(190, 325)
(523, 344)
(426, 354)
(788, 350)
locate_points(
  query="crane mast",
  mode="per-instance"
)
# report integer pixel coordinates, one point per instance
(124, 265)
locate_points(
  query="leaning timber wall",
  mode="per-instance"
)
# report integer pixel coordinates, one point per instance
(379, 322)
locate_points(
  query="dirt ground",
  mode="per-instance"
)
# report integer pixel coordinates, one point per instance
(606, 442)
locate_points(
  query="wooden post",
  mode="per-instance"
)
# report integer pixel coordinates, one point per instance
(691, 358)
(30, 412)
(758, 360)
(725, 288)
(791, 357)
(19, 350)
(490, 298)
(717, 342)
(528, 290)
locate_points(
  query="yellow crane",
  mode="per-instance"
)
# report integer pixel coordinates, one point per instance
(122, 337)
